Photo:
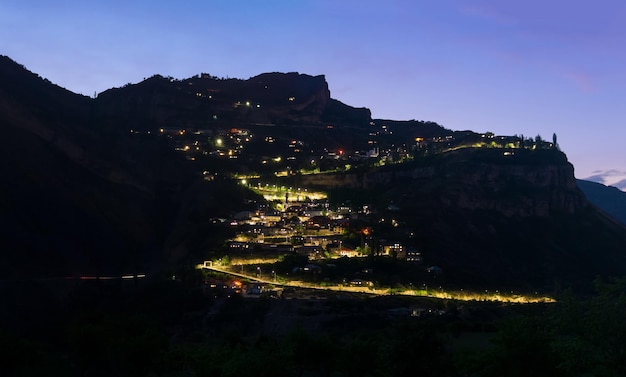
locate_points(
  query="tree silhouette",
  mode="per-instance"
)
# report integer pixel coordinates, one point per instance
(554, 143)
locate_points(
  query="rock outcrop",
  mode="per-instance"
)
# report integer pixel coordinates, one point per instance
(528, 183)
(205, 101)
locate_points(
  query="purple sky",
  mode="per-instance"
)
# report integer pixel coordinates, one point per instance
(511, 67)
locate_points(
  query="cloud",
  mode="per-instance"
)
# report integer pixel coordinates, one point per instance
(613, 177)
(611, 172)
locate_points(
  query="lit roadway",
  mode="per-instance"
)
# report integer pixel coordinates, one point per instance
(297, 284)
(462, 296)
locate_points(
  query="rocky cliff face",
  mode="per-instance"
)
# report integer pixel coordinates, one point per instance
(519, 190)
(530, 183)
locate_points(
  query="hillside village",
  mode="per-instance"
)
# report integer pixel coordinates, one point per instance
(301, 221)
(267, 153)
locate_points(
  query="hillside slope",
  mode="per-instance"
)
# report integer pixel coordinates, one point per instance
(609, 199)
(96, 187)
(515, 221)
(67, 206)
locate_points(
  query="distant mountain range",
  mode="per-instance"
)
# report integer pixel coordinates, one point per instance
(608, 198)
(130, 181)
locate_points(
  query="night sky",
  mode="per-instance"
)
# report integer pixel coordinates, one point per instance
(511, 67)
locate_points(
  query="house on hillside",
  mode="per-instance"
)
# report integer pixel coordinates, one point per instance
(393, 249)
(318, 222)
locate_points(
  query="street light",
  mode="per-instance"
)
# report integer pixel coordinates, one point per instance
(274, 273)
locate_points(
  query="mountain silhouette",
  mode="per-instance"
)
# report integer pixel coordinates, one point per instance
(96, 185)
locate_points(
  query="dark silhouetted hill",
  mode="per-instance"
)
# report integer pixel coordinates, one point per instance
(205, 101)
(90, 187)
(609, 199)
(68, 206)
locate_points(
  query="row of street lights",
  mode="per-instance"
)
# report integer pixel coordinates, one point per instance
(259, 275)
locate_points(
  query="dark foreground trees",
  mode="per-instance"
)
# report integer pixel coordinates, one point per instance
(166, 330)
(576, 337)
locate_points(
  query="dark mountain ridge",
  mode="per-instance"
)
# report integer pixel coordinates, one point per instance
(96, 187)
(66, 201)
(205, 101)
(608, 198)
(88, 197)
